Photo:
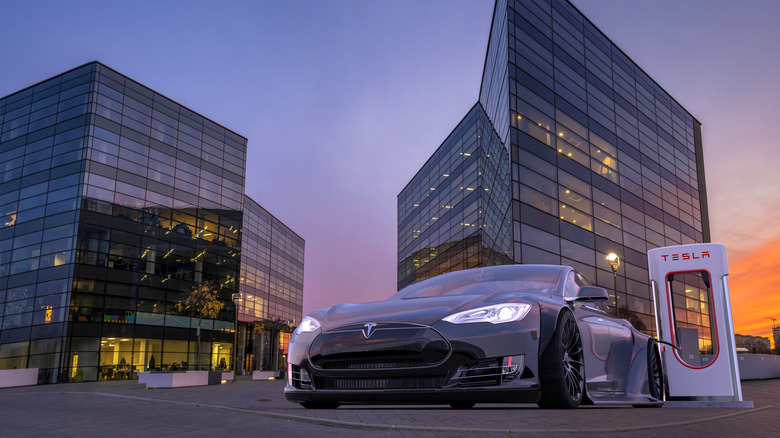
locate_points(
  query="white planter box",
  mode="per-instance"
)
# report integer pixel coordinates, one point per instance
(20, 377)
(758, 366)
(179, 379)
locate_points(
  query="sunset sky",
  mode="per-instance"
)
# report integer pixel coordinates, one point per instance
(344, 100)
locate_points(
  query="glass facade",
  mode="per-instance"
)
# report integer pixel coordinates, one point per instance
(114, 200)
(454, 214)
(271, 288)
(494, 91)
(602, 158)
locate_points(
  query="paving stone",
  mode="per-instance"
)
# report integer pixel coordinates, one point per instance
(258, 408)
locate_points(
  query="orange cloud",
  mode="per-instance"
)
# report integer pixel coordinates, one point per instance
(754, 287)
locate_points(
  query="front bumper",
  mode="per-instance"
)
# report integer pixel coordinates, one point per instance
(440, 363)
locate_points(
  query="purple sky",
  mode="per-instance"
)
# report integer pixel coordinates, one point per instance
(343, 101)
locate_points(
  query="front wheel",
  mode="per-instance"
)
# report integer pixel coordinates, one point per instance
(562, 367)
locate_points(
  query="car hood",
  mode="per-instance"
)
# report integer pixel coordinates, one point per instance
(417, 310)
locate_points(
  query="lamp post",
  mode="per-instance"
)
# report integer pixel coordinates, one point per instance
(614, 263)
(236, 298)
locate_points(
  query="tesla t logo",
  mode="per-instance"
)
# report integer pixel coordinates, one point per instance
(368, 329)
(686, 256)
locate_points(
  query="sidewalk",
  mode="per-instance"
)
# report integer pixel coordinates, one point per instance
(258, 408)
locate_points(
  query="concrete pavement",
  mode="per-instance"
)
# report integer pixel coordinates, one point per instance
(258, 409)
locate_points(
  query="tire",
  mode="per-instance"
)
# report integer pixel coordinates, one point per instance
(655, 372)
(320, 404)
(562, 367)
(655, 375)
(462, 405)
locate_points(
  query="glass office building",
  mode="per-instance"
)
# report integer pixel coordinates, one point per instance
(602, 158)
(114, 200)
(454, 214)
(271, 289)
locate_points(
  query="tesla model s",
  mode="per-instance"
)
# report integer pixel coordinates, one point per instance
(502, 334)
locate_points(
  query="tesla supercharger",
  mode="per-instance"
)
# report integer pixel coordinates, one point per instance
(694, 323)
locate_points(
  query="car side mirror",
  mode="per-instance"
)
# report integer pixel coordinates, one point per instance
(591, 293)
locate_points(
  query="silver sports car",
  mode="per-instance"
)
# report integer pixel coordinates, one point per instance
(507, 334)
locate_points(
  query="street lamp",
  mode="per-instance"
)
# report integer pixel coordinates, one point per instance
(614, 262)
(236, 298)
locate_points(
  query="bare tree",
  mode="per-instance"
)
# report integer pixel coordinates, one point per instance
(203, 300)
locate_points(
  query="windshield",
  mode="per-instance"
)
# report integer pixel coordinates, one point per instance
(495, 279)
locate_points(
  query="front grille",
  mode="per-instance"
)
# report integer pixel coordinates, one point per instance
(371, 364)
(379, 383)
(388, 346)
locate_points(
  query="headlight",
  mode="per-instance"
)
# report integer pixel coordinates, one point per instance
(495, 314)
(308, 324)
